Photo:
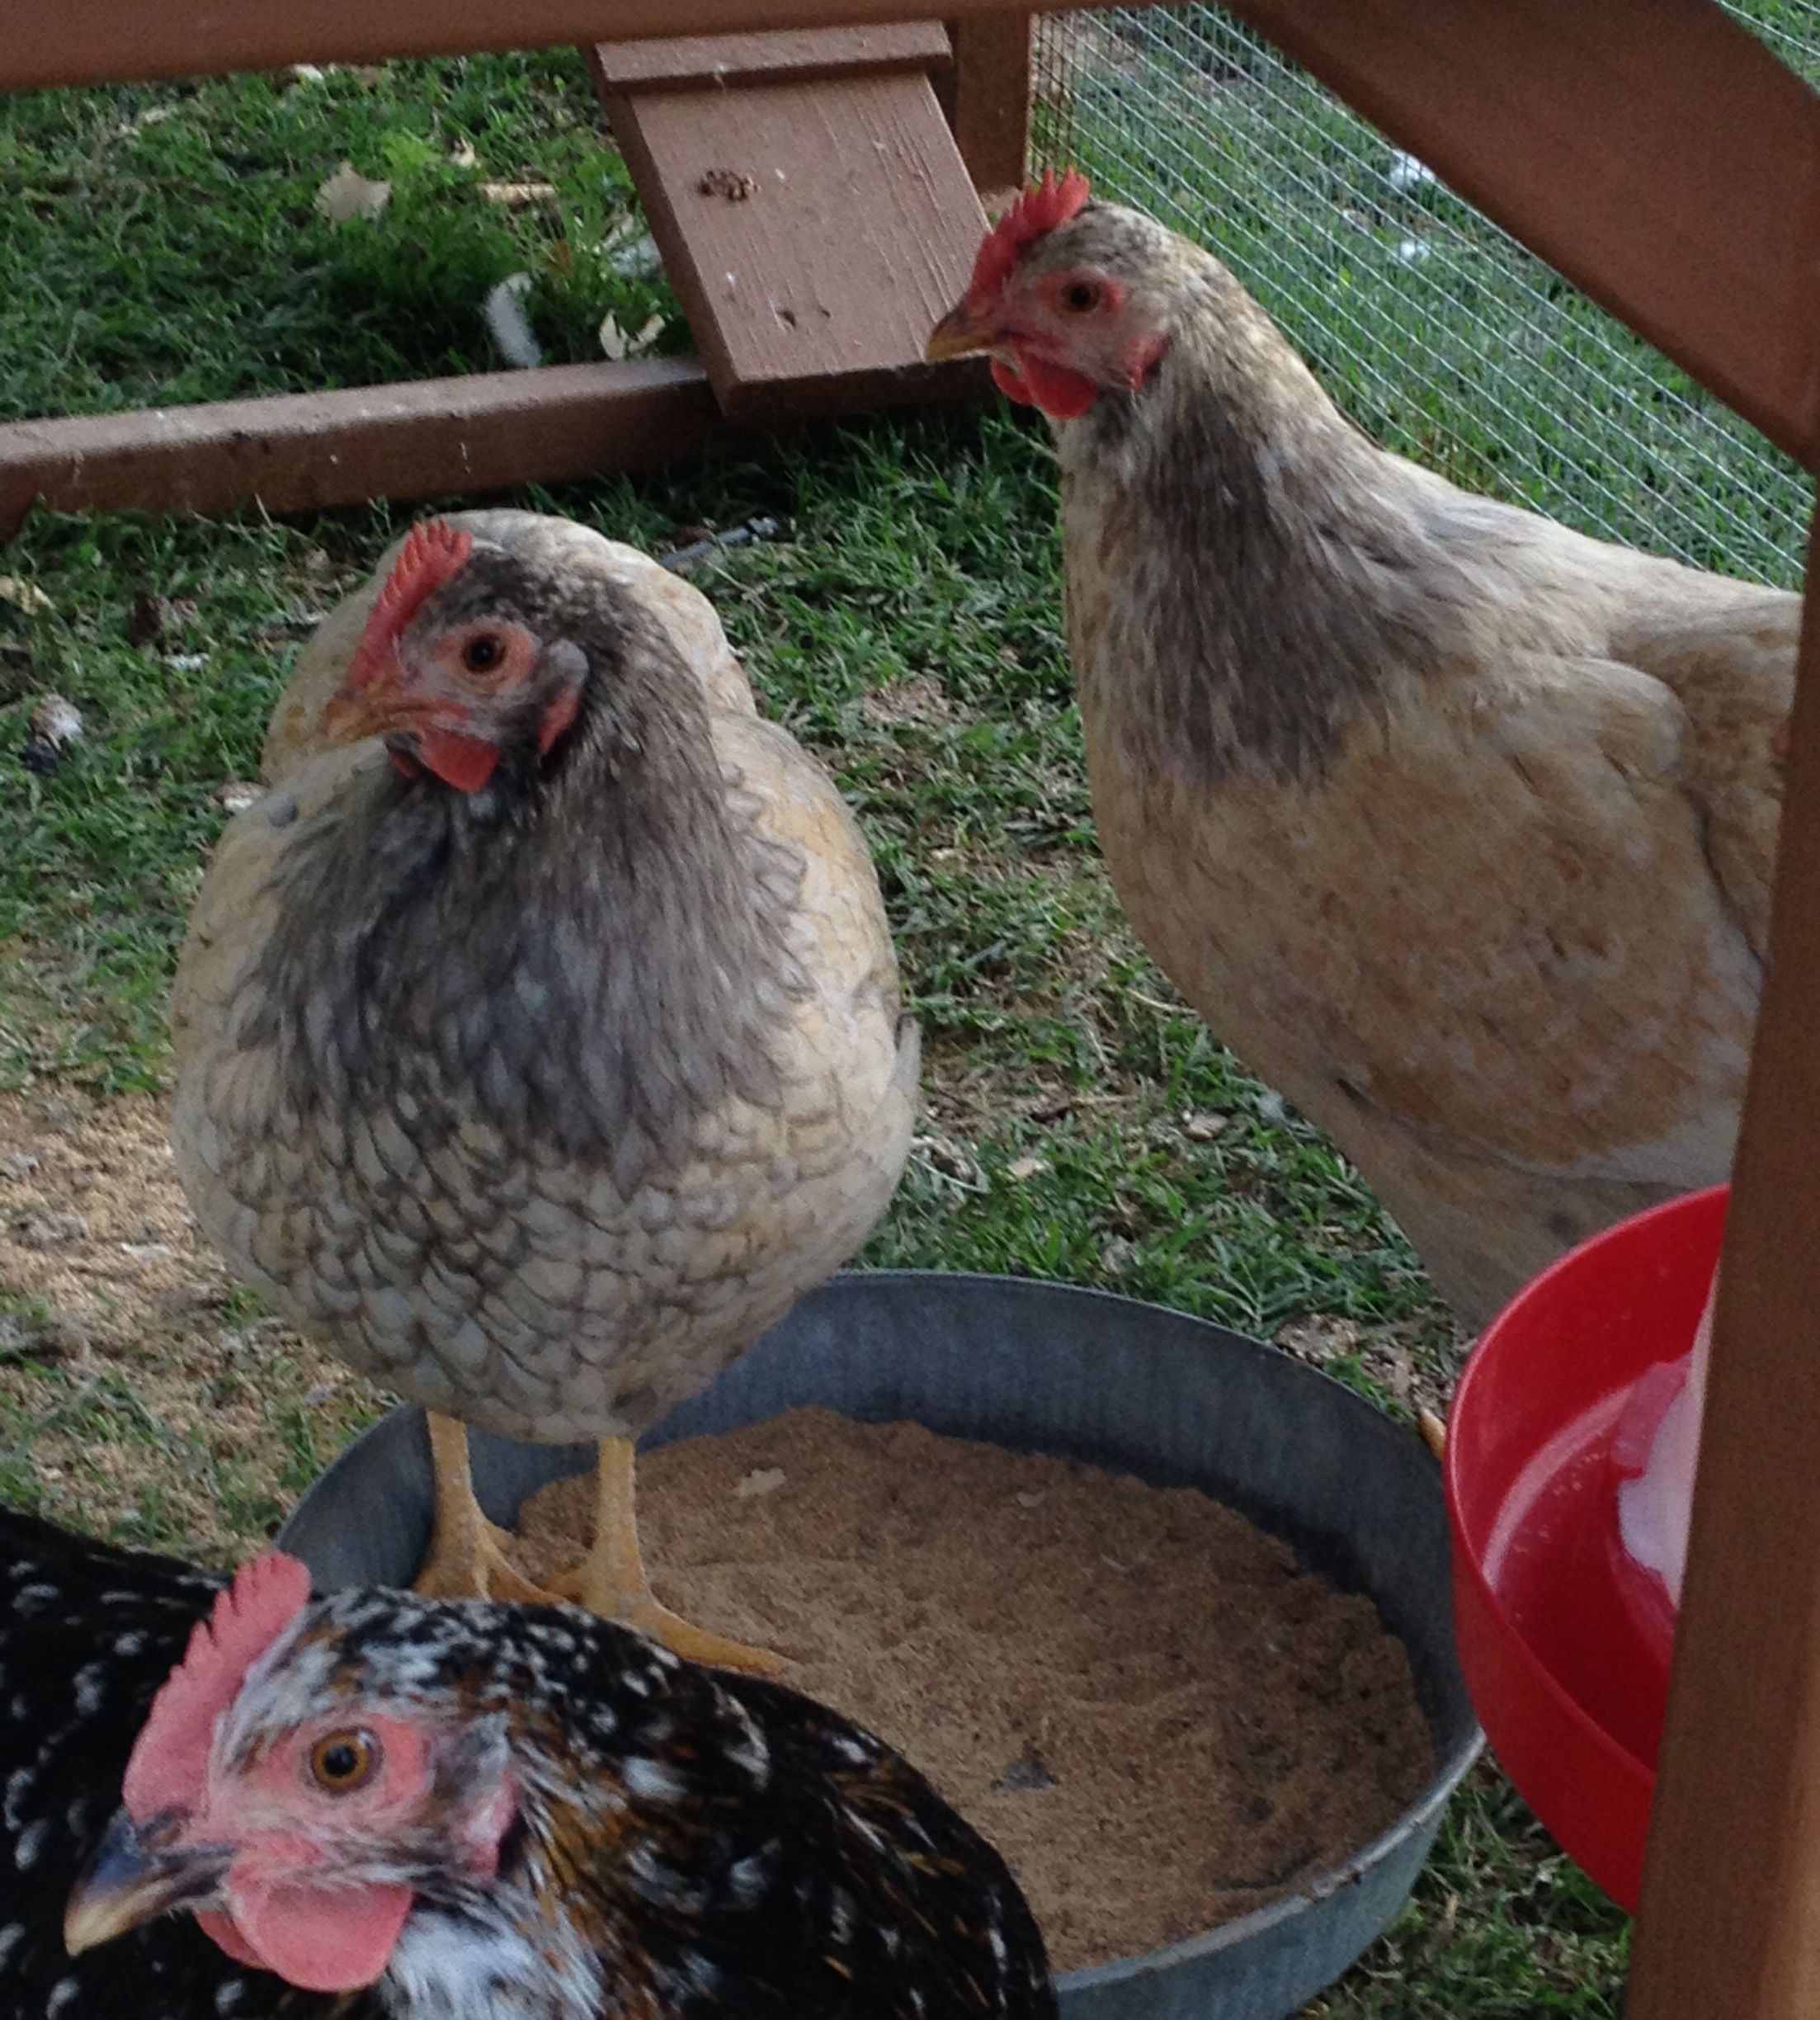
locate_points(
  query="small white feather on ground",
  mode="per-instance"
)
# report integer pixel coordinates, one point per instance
(510, 327)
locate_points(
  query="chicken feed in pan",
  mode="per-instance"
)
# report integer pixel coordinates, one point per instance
(1159, 1718)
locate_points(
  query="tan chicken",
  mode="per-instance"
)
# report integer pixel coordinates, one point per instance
(539, 1034)
(1455, 825)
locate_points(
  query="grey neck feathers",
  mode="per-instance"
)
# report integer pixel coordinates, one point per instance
(590, 953)
(1260, 574)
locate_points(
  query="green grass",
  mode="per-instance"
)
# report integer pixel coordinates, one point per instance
(99, 863)
(1080, 1124)
(1501, 1926)
(175, 254)
(197, 1445)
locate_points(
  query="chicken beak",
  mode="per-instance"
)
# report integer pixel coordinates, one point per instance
(128, 1882)
(960, 333)
(350, 717)
(366, 703)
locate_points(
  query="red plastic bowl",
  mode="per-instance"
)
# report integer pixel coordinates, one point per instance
(1567, 1680)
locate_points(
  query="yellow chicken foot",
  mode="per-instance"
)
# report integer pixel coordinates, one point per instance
(467, 1558)
(610, 1579)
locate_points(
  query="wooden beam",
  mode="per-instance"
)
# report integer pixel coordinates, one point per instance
(1653, 151)
(803, 56)
(429, 438)
(1730, 1924)
(46, 42)
(987, 97)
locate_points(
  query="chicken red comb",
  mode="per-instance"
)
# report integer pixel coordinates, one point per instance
(170, 1757)
(1036, 213)
(433, 553)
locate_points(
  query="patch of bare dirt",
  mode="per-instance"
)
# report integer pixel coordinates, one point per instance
(148, 1397)
(93, 1220)
(918, 699)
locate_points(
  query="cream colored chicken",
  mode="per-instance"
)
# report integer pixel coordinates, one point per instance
(1457, 826)
(538, 1034)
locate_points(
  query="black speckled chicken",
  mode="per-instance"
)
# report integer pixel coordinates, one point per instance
(239, 1803)
(539, 1036)
(1456, 825)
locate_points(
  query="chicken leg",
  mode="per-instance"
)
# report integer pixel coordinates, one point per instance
(469, 1557)
(610, 1579)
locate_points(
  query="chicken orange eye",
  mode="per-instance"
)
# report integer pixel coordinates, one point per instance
(1079, 296)
(481, 654)
(341, 1761)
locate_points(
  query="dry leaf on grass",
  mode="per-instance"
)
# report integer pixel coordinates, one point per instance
(632, 254)
(516, 195)
(511, 331)
(57, 721)
(1318, 1337)
(617, 343)
(27, 596)
(348, 194)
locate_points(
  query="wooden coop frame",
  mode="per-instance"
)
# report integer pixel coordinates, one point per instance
(1653, 151)
(816, 195)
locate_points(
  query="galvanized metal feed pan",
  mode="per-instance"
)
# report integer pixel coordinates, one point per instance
(1129, 1387)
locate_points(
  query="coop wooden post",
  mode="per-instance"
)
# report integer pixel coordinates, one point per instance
(302, 451)
(987, 97)
(1730, 1923)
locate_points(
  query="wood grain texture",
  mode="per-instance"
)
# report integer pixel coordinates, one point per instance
(682, 62)
(1730, 1923)
(1653, 151)
(987, 97)
(815, 233)
(46, 42)
(431, 437)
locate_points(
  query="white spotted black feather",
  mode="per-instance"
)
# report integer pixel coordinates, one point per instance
(689, 1844)
(87, 1635)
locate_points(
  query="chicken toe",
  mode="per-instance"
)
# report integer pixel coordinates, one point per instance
(467, 1557)
(611, 1581)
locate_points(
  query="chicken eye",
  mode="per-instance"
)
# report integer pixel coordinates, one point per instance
(481, 654)
(341, 1761)
(1079, 296)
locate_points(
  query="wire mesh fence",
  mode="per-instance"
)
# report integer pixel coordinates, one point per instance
(1436, 331)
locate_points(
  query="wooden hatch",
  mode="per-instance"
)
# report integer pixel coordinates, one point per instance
(813, 210)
